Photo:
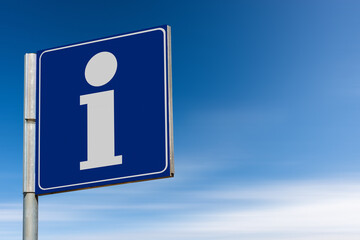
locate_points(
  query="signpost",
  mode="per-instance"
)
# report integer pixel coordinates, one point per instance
(103, 113)
(30, 201)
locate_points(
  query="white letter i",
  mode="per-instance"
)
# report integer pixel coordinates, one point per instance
(100, 113)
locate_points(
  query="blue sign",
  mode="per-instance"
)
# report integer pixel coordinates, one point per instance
(104, 112)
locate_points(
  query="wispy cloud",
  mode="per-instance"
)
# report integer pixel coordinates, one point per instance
(312, 210)
(10, 212)
(315, 210)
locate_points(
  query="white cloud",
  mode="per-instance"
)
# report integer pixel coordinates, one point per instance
(304, 191)
(321, 210)
(10, 212)
(306, 210)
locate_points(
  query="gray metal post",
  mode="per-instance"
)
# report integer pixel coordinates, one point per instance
(30, 202)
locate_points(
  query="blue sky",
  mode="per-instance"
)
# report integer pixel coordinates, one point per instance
(266, 121)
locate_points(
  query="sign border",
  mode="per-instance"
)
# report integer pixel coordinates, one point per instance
(169, 149)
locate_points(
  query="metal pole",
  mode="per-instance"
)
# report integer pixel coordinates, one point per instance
(30, 201)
